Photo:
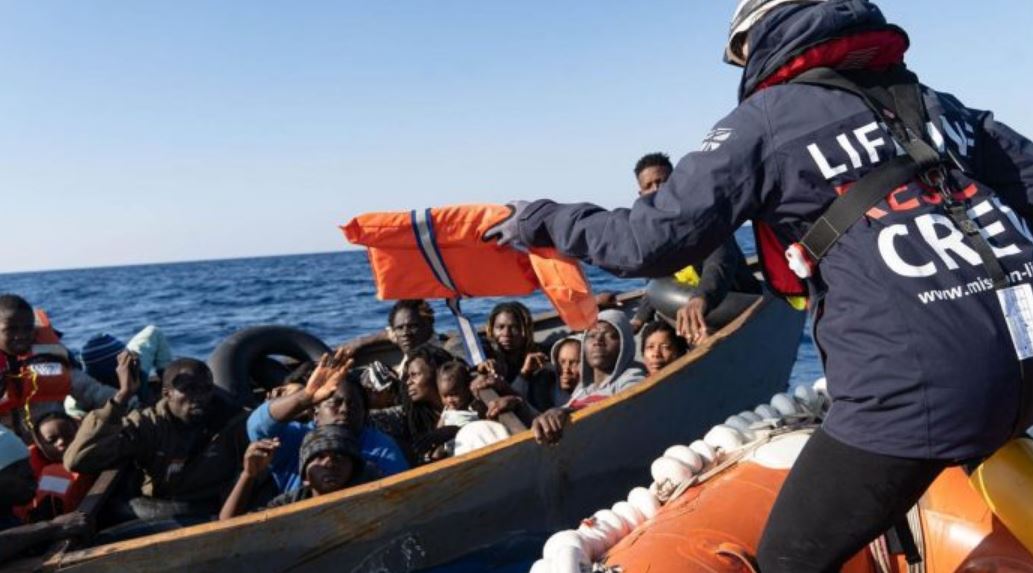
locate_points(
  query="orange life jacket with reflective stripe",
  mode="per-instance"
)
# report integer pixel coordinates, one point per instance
(43, 375)
(59, 491)
(402, 270)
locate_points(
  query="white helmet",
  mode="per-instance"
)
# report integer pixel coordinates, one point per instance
(747, 14)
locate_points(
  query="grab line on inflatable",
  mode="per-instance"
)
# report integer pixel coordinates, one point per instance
(426, 240)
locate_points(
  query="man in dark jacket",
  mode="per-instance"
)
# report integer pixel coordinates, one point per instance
(188, 445)
(921, 367)
(723, 271)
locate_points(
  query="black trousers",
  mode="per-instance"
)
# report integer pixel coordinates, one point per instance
(836, 500)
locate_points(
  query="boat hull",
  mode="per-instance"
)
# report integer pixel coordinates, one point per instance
(438, 513)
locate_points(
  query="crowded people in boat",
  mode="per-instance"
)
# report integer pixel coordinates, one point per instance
(661, 345)
(607, 367)
(182, 444)
(99, 359)
(724, 270)
(422, 405)
(332, 398)
(17, 489)
(329, 460)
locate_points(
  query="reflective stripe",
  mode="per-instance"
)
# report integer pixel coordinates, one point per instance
(51, 349)
(54, 484)
(423, 228)
(425, 240)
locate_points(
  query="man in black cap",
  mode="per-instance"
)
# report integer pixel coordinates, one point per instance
(187, 444)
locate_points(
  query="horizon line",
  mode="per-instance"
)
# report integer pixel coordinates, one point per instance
(175, 262)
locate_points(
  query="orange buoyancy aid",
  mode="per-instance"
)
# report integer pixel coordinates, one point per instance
(43, 375)
(58, 490)
(419, 254)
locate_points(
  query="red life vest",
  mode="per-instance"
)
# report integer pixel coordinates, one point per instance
(878, 49)
(43, 375)
(59, 491)
(420, 254)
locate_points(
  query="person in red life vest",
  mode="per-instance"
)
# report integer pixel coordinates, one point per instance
(661, 346)
(17, 487)
(903, 214)
(34, 367)
(59, 491)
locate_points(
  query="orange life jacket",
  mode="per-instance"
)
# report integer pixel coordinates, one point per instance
(43, 376)
(403, 268)
(59, 491)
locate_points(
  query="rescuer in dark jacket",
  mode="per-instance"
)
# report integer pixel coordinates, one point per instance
(920, 364)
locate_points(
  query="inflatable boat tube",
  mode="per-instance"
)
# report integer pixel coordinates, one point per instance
(240, 363)
(667, 296)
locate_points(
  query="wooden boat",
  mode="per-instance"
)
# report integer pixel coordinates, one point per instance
(434, 514)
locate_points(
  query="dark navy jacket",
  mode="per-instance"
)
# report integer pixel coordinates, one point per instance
(917, 354)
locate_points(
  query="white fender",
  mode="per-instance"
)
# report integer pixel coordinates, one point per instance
(808, 397)
(667, 469)
(685, 455)
(541, 566)
(784, 404)
(566, 538)
(821, 386)
(766, 412)
(629, 514)
(569, 560)
(645, 502)
(605, 517)
(594, 542)
(704, 450)
(743, 425)
(724, 438)
(751, 417)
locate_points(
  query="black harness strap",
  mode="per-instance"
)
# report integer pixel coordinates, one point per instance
(896, 97)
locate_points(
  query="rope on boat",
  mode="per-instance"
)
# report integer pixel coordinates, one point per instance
(680, 468)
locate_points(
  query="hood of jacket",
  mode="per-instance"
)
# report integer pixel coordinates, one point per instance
(790, 30)
(625, 369)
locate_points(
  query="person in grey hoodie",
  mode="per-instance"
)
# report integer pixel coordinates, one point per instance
(607, 367)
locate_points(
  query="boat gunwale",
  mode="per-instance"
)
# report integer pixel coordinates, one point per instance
(84, 556)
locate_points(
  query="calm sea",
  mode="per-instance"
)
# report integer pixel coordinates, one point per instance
(197, 304)
(331, 295)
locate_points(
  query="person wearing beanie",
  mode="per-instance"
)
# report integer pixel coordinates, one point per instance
(17, 487)
(330, 460)
(99, 357)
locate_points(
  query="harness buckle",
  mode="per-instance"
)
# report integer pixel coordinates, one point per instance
(799, 261)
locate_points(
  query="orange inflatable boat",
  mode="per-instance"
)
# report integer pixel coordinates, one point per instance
(709, 502)
(440, 253)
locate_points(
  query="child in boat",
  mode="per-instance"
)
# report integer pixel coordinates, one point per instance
(565, 377)
(59, 490)
(332, 397)
(329, 460)
(661, 345)
(187, 445)
(18, 487)
(566, 361)
(459, 407)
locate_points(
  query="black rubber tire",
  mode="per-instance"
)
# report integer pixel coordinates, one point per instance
(243, 356)
(667, 296)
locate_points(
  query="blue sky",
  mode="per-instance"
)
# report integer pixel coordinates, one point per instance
(135, 132)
